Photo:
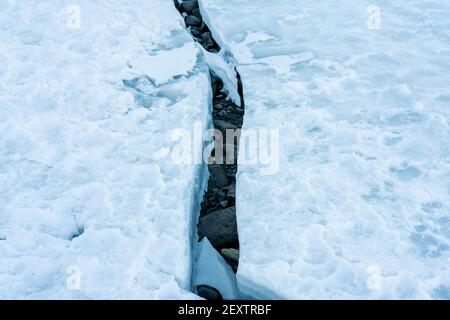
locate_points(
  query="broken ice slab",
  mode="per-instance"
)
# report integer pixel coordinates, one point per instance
(359, 94)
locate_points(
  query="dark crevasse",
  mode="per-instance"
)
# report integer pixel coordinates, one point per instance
(217, 219)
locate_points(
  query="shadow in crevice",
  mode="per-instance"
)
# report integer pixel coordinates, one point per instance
(217, 219)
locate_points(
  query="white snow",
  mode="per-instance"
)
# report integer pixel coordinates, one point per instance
(91, 206)
(165, 64)
(360, 208)
(225, 71)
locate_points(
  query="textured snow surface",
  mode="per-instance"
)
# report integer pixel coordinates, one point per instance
(361, 206)
(87, 186)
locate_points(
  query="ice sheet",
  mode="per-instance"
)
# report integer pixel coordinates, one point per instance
(360, 208)
(91, 205)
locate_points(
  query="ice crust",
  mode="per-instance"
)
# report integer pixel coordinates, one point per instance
(87, 186)
(360, 208)
(212, 270)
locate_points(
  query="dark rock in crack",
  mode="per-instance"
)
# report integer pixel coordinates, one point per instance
(223, 204)
(196, 13)
(192, 21)
(231, 254)
(208, 207)
(231, 192)
(217, 85)
(224, 125)
(203, 27)
(219, 195)
(220, 96)
(231, 170)
(195, 31)
(221, 228)
(189, 5)
(232, 257)
(210, 183)
(218, 177)
(207, 40)
(229, 114)
(224, 114)
(209, 293)
(218, 211)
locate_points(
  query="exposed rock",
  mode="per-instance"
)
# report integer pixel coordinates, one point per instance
(218, 176)
(221, 228)
(224, 125)
(231, 171)
(189, 5)
(219, 195)
(209, 293)
(218, 211)
(232, 257)
(231, 193)
(196, 13)
(223, 204)
(220, 96)
(218, 86)
(207, 39)
(203, 27)
(231, 254)
(195, 31)
(192, 21)
(223, 113)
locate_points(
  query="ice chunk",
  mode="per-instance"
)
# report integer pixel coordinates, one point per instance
(225, 71)
(166, 64)
(214, 271)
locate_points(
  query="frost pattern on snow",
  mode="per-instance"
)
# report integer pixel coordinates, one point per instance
(91, 206)
(361, 205)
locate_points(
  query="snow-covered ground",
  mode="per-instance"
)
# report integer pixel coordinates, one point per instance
(93, 206)
(360, 95)
(90, 204)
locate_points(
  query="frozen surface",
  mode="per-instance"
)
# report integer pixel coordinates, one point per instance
(225, 71)
(214, 271)
(91, 206)
(360, 208)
